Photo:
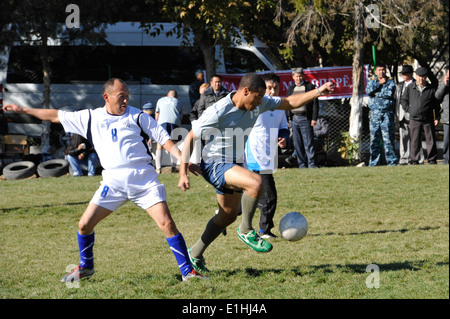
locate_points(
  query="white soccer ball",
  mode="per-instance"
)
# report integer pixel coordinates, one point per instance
(293, 226)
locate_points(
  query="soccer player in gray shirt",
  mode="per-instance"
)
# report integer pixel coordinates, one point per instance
(224, 128)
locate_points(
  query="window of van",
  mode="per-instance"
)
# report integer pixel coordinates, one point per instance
(276, 62)
(242, 61)
(74, 64)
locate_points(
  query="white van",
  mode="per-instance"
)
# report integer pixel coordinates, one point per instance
(150, 65)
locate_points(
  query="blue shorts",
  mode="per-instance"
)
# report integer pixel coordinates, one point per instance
(214, 174)
(170, 127)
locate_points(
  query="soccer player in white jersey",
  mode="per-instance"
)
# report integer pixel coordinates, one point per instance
(119, 135)
(224, 128)
(270, 131)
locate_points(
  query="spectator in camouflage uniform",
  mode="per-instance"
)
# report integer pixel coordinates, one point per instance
(381, 91)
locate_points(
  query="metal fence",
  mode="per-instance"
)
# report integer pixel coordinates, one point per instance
(337, 112)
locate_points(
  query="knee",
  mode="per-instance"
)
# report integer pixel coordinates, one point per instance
(168, 227)
(256, 187)
(225, 218)
(230, 218)
(84, 228)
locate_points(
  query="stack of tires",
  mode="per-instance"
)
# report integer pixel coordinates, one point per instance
(25, 169)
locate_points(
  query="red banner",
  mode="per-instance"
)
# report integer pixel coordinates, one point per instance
(340, 76)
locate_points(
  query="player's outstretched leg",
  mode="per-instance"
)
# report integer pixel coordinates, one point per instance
(251, 183)
(160, 213)
(211, 232)
(179, 249)
(245, 232)
(228, 206)
(86, 239)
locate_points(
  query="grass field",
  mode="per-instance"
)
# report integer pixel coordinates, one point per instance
(396, 218)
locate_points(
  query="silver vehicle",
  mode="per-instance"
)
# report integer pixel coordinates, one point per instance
(150, 65)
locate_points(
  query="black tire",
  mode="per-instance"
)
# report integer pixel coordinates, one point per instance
(19, 170)
(53, 168)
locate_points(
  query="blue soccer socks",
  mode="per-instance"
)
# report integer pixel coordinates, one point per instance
(179, 249)
(176, 244)
(86, 246)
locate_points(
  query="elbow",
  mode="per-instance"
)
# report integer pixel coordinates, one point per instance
(54, 119)
(50, 115)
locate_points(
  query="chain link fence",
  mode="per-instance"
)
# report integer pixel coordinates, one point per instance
(337, 113)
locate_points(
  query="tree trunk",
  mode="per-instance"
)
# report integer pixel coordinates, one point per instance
(209, 54)
(358, 81)
(45, 137)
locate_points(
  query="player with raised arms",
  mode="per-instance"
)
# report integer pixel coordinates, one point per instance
(119, 135)
(224, 127)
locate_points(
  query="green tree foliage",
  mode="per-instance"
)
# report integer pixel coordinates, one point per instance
(412, 29)
(216, 22)
(38, 23)
(401, 30)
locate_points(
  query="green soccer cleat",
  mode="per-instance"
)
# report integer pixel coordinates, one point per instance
(255, 242)
(198, 264)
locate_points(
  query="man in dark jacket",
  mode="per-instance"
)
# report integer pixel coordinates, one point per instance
(303, 121)
(79, 152)
(212, 94)
(403, 117)
(423, 107)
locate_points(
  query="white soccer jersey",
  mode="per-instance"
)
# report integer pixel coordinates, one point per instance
(116, 139)
(262, 144)
(225, 128)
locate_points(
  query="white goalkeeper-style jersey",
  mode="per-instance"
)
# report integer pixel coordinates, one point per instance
(225, 128)
(118, 139)
(261, 153)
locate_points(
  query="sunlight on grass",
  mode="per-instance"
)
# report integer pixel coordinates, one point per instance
(396, 218)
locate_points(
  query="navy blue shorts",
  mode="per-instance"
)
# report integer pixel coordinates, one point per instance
(169, 127)
(214, 174)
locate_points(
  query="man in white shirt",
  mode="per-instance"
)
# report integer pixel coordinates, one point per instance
(119, 134)
(270, 131)
(168, 115)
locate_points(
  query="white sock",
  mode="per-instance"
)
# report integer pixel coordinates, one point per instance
(158, 159)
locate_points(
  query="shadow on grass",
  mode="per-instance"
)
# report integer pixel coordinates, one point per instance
(12, 209)
(383, 231)
(328, 269)
(361, 268)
